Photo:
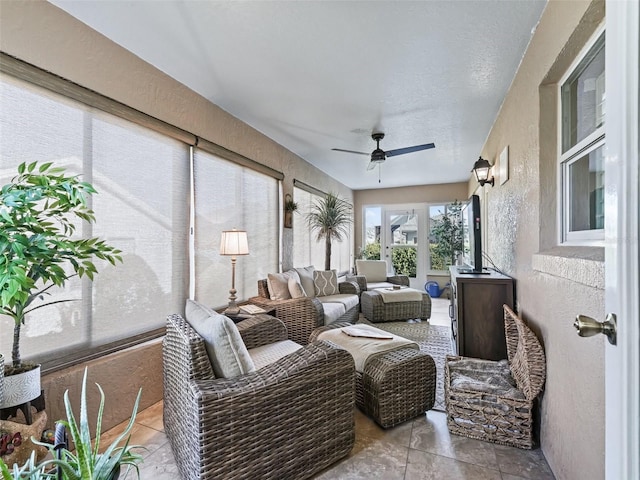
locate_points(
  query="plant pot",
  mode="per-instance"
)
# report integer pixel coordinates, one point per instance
(21, 388)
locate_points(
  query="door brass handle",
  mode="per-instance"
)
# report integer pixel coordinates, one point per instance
(587, 327)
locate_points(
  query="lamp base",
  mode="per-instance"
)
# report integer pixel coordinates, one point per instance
(232, 309)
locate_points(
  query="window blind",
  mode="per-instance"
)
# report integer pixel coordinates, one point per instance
(142, 178)
(229, 196)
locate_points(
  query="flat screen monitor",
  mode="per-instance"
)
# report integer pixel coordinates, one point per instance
(471, 236)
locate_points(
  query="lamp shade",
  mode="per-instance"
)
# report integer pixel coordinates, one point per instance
(234, 242)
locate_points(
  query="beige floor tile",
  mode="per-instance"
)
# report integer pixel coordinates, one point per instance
(430, 434)
(152, 417)
(427, 466)
(529, 464)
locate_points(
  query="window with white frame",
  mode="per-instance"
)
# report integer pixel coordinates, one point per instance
(581, 158)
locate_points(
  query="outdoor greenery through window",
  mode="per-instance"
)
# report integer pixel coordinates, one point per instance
(442, 236)
(582, 159)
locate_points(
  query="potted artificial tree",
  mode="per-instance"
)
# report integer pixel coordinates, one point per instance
(37, 252)
(330, 217)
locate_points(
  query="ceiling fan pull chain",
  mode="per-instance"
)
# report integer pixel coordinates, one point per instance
(378, 173)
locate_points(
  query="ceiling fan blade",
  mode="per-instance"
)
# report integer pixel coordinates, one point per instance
(372, 165)
(350, 151)
(415, 148)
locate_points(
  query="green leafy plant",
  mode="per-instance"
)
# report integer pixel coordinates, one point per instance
(405, 261)
(37, 213)
(447, 231)
(86, 462)
(330, 218)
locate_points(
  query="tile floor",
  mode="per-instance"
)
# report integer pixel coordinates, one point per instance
(418, 449)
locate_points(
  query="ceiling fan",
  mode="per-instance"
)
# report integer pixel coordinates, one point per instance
(378, 156)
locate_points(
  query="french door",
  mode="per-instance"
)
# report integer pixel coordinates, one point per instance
(403, 243)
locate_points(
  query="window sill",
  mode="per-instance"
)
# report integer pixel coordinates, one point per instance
(583, 265)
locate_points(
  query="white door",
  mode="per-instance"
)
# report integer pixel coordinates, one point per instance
(622, 362)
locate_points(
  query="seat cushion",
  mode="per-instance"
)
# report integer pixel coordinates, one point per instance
(272, 352)
(325, 282)
(374, 285)
(333, 311)
(349, 301)
(373, 270)
(227, 352)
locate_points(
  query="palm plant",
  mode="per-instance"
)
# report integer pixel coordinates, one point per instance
(37, 211)
(330, 217)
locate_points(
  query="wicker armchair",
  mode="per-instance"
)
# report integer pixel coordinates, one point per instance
(289, 419)
(303, 315)
(494, 401)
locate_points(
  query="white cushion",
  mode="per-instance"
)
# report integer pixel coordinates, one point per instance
(295, 288)
(373, 270)
(333, 311)
(348, 300)
(374, 285)
(306, 279)
(226, 350)
(278, 284)
(272, 352)
(325, 282)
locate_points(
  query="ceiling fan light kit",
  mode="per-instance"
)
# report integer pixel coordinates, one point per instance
(378, 156)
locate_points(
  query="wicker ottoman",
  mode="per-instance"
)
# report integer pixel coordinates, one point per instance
(375, 310)
(394, 386)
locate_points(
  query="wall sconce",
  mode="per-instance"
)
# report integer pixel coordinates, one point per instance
(233, 243)
(482, 168)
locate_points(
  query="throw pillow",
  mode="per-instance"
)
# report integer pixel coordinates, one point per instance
(295, 288)
(278, 284)
(325, 282)
(227, 352)
(306, 279)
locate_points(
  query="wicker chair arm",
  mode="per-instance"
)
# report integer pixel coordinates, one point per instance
(399, 280)
(286, 374)
(260, 330)
(300, 315)
(349, 287)
(361, 280)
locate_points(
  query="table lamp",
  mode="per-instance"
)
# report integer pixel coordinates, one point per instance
(233, 243)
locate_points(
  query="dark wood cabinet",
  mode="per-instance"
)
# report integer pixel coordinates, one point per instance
(477, 318)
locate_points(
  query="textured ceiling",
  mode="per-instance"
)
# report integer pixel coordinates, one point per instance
(317, 75)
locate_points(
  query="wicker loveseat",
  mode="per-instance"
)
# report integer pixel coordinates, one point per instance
(304, 314)
(494, 401)
(289, 419)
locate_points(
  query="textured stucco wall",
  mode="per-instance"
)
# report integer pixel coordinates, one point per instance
(43, 35)
(552, 284)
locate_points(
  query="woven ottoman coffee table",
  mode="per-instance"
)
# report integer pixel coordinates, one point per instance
(395, 381)
(391, 305)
